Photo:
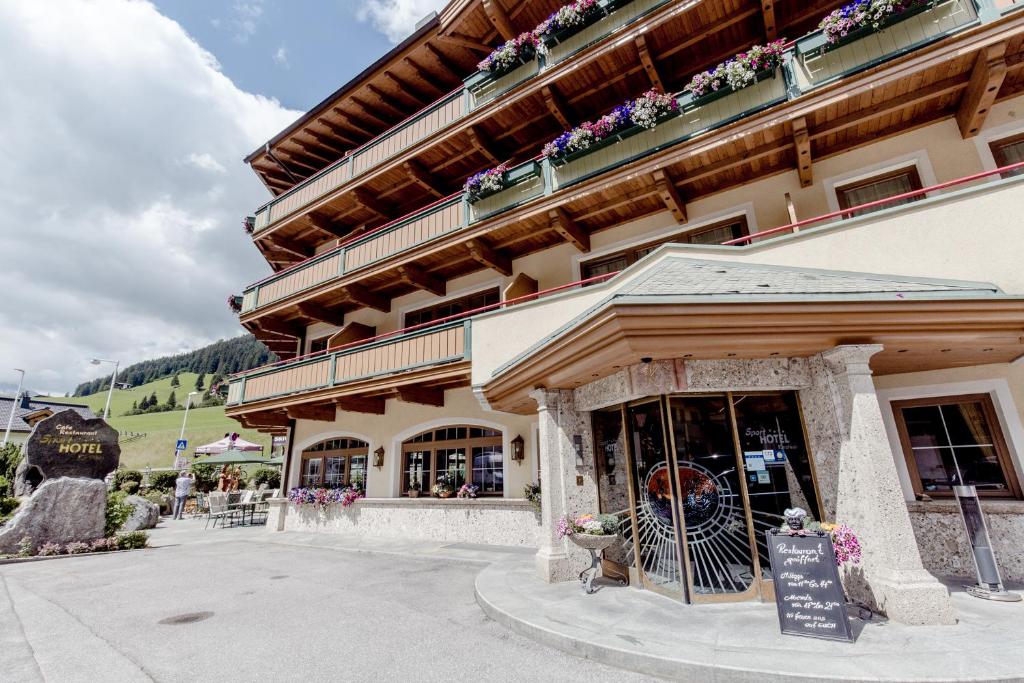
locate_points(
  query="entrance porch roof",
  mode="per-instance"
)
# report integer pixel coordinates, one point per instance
(679, 307)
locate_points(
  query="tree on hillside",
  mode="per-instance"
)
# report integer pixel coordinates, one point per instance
(199, 381)
(175, 382)
(217, 379)
(172, 400)
(143, 404)
(135, 406)
(153, 400)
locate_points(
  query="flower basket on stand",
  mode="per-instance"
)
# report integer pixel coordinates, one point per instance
(593, 533)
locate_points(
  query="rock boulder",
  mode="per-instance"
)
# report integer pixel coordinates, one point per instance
(59, 511)
(145, 514)
(67, 445)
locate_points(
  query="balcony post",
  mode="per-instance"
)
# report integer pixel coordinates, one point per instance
(987, 10)
(241, 392)
(789, 74)
(547, 175)
(333, 367)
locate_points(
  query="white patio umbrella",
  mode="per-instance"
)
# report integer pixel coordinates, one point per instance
(239, 444)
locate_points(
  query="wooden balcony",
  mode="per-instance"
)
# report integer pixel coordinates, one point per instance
(417, 366)
(711, 145)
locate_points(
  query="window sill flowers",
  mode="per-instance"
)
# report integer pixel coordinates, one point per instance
(467, 491)
(322, 497)
(575, 15)
(519, 50)
(862, 14)
(235, 303)
(486, 182)
(742, 70)
(645, 112)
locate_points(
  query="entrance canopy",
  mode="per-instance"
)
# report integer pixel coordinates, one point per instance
(233, 457)
(226, 444)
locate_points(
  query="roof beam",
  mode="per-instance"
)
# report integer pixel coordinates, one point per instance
(364, 297)
(278, 327)
(802, 144)
(467, 42)
(266, 419)
(447, 65)
(321, 413)
(490, 257)
(325, 224)
(564, 225)
(496, 15)
(426, 76)
(986, 80)
(484, 148)
(338, 132)
(364, 198)
(423, 178)
(354, 123)
(648, 63)
(314, 150)
(361, 404)
(290, 246)
(557, 106)
(388, 101)
(768, 14)
(368, 112)
(409, 89)
(318, 313)
(296, 159)
(428, 396)
(670, 196)
(413, 275)
(351, 333)
(326, 142)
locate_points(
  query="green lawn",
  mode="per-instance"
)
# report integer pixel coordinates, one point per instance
(156, 449)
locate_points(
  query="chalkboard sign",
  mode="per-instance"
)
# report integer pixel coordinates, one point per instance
(808, 593)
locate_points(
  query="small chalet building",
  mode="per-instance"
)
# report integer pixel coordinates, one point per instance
(801, 288)
(29, 410)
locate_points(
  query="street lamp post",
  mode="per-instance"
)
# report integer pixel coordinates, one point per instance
(113, 380)
(188, 402)
(14, 406)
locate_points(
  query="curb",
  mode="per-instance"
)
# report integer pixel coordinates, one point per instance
(44, 558)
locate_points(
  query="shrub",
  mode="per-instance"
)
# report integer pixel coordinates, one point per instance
(121, 476)
(49, 549)
(102, 545)
(129, 487)
(163, 480)
(8, 506)
(25, 546)
(206, 477)
(118, 512)
(77, 548)
(270, 476)
(10, 458)
(132, 540)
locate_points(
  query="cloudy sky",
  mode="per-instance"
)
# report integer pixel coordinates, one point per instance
(121, 182)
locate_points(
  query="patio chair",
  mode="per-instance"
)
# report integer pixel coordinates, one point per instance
(202, 505)
(219, 510)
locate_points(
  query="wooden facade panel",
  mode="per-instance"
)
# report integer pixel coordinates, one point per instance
(298, 280)
(430, 122)
(288, 380)
(496, 87)
(617, 19)
(414, 232)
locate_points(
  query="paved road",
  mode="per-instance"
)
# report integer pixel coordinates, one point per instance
(243, 609)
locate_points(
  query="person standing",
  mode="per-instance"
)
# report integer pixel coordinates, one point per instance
(182, 487)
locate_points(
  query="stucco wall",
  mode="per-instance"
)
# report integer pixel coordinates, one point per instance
(496, 522)
(404, 420)
(943, 540)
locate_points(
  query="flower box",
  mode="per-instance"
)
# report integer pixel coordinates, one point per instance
(509, 178)
(818, 44)
(688, 101)
(527, 55)
(594, 15)
(609, 141)
(596, 542)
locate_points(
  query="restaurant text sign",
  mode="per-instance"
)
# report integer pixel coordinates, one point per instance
(808, 593)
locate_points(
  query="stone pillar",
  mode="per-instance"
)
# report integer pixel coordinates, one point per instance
(860, 487)
(559, 421)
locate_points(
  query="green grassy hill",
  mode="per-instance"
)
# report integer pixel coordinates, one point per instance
(162, 429)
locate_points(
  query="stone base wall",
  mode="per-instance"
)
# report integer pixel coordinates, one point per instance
(494, 522)
(943, 540)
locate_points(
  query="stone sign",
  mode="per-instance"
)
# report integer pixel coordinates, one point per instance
(67, 445)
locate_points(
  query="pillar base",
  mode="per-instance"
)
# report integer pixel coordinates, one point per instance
(912, 597)
(552, 565)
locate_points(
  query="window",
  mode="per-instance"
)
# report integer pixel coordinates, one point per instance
(955, 439)
(429, 455)
(319, 344)
(879, 187)
(335, 463)
(709, 234)
(453, 307)
(1009, 151)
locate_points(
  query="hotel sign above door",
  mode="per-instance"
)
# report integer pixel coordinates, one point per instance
(808, 593)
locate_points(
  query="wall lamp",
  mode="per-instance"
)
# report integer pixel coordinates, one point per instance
(518, 449)
(378, 457)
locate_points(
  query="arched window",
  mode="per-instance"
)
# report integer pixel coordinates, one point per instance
(335, 463)
(470, 454)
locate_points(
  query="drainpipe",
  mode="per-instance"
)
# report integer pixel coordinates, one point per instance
(287, 466)
(266, 148)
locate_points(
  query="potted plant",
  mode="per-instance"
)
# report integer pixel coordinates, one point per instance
(858, 19)
(414, 488)
(510, 54)
(444, 487)
(568, 20)
(593, 533)
(747, 68)
(468, 491)
(531, 492)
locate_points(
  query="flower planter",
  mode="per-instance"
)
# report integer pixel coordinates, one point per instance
(593, 542)
(688, 101)
(510, 178)
(445, 494)
(597, 13)
(818, 44)
(414, 494)
(610, 140)
(528, 54)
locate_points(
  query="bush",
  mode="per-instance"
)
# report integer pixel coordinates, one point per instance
(8, 506)
(76, 548)
(10, 458)
(163, 480)
(132, 540)
(121, 476)
(102, 545)
(206, 477)
(118, 512)
(271, 476)
(49, 549)
(129, 487)
(25, 546)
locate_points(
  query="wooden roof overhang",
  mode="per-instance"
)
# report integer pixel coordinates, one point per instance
(920, 88)
(662, 50)
(917, 335)
(423, 385)
(426, 65)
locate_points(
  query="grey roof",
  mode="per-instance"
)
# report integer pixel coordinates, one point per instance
(31, 405)
(678, 276)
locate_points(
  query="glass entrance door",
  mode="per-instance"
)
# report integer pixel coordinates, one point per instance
(709, 475)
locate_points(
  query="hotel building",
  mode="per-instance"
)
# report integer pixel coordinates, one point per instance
(802, 290)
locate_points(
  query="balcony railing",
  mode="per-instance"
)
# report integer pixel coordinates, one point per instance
(403, 353)
(696, 116)
(478, 90)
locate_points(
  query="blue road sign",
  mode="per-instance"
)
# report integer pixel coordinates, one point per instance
(182, 445)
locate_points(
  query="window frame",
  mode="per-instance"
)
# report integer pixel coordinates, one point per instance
(467, 444)
(996, 145)
(326, 339)
(685, 237)
(448, 302)
(345, 453)
(1013, 487)
(841, 189)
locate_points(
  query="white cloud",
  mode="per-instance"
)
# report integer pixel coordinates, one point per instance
(246, 18)
(396, 19)
(280, 57)
(123, 188)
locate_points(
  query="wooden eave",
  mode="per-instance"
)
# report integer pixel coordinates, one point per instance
(903, 94)
(917, 335)
(682, 39)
